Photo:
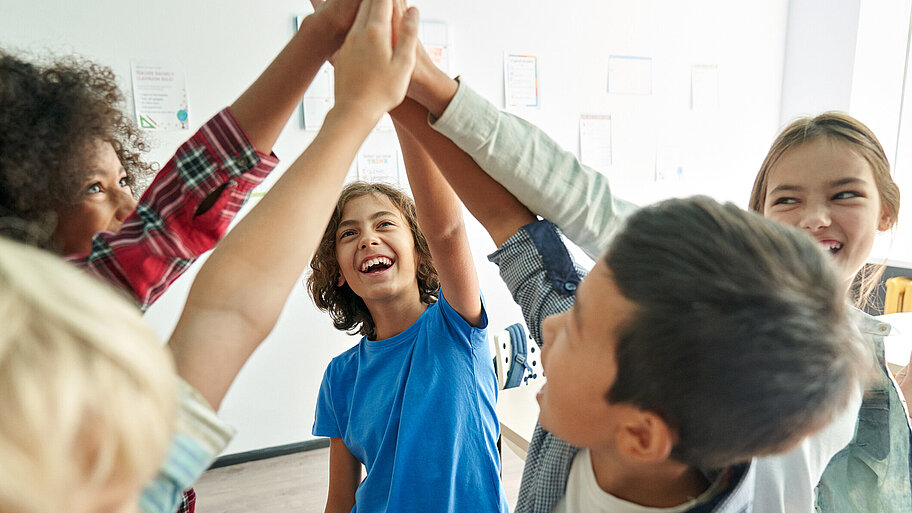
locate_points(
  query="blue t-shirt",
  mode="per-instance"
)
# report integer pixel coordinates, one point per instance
(417, 410)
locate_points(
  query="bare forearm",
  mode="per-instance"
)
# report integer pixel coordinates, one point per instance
(438, 207)
(264, 108)
(430, 86)
(266, 252)
(492, 205)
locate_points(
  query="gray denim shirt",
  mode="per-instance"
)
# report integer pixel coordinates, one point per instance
(872, 473)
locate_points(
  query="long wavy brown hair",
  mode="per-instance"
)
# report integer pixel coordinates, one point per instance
(52, 114)
(347, 309)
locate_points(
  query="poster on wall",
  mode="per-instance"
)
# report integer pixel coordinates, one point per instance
(629, 75)
(704, 87)
(160, 95)
(434, 36)
(318, 98)
(380, 166)
(595, 141)
(521, 82)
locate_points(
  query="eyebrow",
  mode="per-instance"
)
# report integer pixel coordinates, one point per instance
(835, 183)
(374, 216)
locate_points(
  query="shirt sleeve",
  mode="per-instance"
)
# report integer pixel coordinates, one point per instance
(160, 240)
(199, 437)
(549, 180)
(539, 272)
(325, 420)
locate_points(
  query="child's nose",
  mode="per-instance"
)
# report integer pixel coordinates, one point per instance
(125, 205)
(815, 217)
(369, 240)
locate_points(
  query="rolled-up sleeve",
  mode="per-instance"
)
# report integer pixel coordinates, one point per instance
(539, 272)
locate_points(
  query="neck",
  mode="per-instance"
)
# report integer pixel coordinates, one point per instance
(663, 484)
(394, 315)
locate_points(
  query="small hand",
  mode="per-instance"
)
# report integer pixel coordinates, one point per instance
(338, 15)
(372, 73)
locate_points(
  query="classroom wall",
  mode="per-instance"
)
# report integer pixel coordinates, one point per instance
(224, 45)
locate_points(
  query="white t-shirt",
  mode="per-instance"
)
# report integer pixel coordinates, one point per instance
(584, 495)
(786, 482)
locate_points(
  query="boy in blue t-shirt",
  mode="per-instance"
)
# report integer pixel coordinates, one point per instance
(414, 401)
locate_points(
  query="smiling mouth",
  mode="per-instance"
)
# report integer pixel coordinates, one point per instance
(376, 265)
(832, 246)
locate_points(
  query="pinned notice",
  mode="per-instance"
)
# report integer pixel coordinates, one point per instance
(629, 75)
(160, 95)
(595, 142)
(521, 87)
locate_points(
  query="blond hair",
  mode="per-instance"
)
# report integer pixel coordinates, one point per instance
(87, 394)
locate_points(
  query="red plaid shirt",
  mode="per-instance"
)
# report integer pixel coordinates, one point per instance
(164, 236)
(160, 240)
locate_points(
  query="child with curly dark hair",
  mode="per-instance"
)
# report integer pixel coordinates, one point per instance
(70, 167)
(414, 400)
(70, 161)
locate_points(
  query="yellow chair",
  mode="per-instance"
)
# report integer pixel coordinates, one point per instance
(899, 295)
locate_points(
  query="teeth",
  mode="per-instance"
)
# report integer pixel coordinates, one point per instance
(833, 246)
(374, 261)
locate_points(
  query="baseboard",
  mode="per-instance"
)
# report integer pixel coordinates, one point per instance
(269, 452)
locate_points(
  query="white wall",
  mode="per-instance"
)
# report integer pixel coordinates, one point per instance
(225, 44)
(850, 55)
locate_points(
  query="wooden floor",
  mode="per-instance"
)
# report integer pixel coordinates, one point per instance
(296, 482)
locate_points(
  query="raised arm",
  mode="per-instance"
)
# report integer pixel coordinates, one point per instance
(264, 108)
(440, 219)
(193, 200)
(492, 205)
(239, 293)
(543, 176)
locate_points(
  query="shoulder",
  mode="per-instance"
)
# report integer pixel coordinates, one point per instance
(443, 311)
(345, 360)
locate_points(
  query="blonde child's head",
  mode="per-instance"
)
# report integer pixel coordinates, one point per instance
(87, 393)
(332, 293)
(829, 176)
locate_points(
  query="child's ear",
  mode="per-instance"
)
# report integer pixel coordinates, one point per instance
(340, 281)
(885, 223)
(646, 437)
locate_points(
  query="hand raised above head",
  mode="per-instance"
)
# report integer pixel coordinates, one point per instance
(372, 72)
(338, 15)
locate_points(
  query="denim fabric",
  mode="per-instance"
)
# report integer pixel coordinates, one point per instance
(872, 473)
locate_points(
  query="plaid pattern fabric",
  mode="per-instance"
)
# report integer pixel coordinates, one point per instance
(188, 503)
(164, 236)
(543, 279)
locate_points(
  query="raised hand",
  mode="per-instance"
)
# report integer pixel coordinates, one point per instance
(372, 72)
(338, 15)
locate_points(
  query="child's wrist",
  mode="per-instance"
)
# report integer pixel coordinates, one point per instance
(324, 29)
(434, 91)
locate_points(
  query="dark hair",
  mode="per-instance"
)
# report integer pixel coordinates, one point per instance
(347, 309)
(51, 117)
(858, 138)
(741, 338)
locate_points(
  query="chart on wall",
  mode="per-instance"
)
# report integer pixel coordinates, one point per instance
(160, 95)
